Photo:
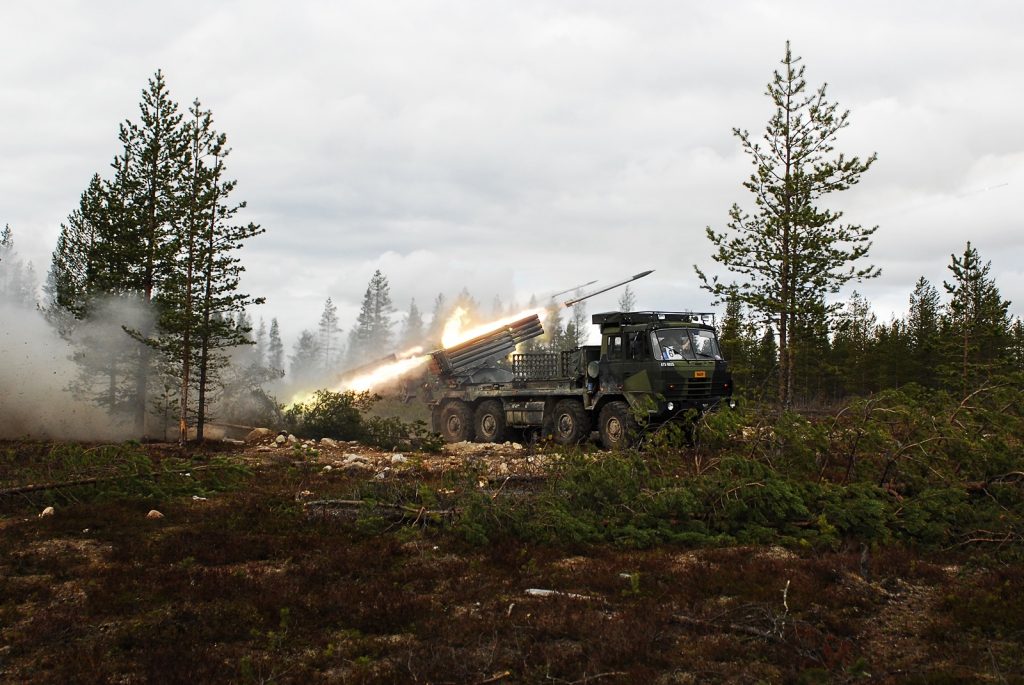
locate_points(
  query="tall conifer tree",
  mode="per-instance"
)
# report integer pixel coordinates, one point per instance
(789, 251)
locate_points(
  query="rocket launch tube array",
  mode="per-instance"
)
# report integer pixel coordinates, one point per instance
(483, 348)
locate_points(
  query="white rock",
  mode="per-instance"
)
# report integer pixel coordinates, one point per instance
(516, 446)
(327, 468)
(327, 442)
(281, 439)
(398, 459)
(154, 514)
(291, 439)
(48, 511)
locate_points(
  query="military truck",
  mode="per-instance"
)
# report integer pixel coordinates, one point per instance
(650, 367)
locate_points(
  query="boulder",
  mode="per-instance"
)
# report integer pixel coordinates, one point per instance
(327, 442)
(258, 435)
(154, 514)
(48, 511)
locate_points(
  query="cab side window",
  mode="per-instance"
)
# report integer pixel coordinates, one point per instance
(615, 347)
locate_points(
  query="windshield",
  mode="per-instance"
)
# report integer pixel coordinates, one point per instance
(684, 343)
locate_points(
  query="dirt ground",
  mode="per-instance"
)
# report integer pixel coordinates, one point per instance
(274, 575)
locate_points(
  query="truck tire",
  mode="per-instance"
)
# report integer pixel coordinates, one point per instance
(489, 421)
(456, 424)
(570, 424)
(617, 426)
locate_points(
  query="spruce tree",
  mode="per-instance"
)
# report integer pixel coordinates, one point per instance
(412, 334)
(923, 333)
(372, 334)
(305, 359)
(275, 348)
(789, 251)
(330, 333)
(853, 346)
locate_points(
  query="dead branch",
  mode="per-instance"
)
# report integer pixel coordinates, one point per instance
(40, 487)
(403, 510)
(734, 627)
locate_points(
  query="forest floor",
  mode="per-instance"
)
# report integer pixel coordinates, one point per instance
(273, 564)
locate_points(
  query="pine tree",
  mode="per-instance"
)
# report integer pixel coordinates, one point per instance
(976, 322)
(412, 334)
(72, 280)
(790, 252)
(329, 332)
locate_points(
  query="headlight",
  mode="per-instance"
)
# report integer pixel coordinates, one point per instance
(671, 407)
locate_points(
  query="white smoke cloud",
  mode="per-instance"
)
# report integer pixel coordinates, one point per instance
(36, 371)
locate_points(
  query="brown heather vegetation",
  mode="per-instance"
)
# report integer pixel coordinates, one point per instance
(253, 584)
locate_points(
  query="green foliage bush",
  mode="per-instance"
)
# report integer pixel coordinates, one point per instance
(337, 415)
(911, 465)
(342, 416)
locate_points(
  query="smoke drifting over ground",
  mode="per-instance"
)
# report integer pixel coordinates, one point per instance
(35, 373)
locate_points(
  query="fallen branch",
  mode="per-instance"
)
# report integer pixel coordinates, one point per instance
(40, 487)
(734, 627)
(402, 510)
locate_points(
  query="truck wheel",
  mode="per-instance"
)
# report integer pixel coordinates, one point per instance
(489, 421)
(570, 423)
(456, 422)
(617, 426)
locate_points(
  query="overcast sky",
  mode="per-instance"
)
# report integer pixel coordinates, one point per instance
(522, 147)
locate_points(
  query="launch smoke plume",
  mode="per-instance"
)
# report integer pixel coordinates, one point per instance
(36, 371)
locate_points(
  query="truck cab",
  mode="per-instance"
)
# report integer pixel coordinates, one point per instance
(663, 363)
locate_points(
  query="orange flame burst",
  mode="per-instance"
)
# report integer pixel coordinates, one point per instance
(383, 374)
(453, 328)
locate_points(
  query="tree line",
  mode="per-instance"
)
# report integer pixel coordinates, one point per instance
(790, 253)
(144, 283)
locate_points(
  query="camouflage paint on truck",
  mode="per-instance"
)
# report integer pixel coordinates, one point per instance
(651, 366)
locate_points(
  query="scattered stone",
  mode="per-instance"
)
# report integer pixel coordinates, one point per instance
(291, 439)
(327, 468)
(516, 446)
(154, 514)
(327, 442)
(258, 435)
(398, 459)
(281, 439)
(232, 441)
(48, 511)
(265, 448)
(197, 498)
(502, 468)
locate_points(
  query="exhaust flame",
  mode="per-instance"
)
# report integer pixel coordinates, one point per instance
(454, 334)
(383, 374)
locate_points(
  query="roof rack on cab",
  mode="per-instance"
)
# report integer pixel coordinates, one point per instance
(626, 318)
